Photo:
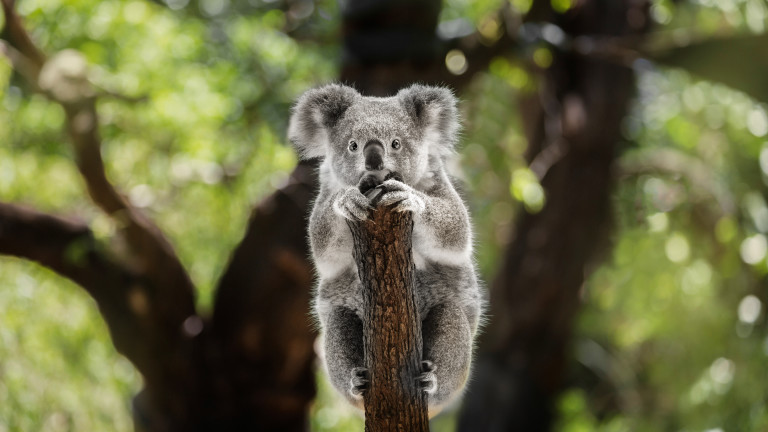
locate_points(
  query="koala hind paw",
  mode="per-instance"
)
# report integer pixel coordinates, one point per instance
(427, 380)
(359, 383)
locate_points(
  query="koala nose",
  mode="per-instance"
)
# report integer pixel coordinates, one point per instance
(374, 155)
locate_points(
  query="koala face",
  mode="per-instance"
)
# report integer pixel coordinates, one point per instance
(359, 135)
(377, 135)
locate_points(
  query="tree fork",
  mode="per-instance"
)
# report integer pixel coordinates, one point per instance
(391, 325)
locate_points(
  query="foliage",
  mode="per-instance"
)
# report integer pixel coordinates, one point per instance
(674, 321)
(673, 330)
(58, 371)
(197, 154)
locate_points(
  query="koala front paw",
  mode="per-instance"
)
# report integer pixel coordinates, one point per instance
(402, 196)
(352, 205)
(359, 382)
(427, 379)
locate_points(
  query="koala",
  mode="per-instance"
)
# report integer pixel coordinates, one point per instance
(401, 145)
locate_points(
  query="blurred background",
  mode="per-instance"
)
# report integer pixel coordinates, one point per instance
(614, 157)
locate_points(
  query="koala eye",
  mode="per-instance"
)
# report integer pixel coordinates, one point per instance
(396, 144)
(352, 145)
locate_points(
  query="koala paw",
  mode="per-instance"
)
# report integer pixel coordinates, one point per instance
(427, 379)
(402, 196)
(359, 382)
(352, 205)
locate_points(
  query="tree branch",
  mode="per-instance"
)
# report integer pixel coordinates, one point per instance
(535, 295)
(267, 284)
(391, 326)
(19, 37)
(69, 248)
(147, 298)
(132, 306)
(63, 79)
(54, 242)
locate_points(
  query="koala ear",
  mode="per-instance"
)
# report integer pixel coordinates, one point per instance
(315, 112)
(434, 110)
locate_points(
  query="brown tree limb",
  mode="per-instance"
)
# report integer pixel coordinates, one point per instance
(69, 248)
(63, 79)
(523, 356)
(18, 37)
(391, 326)
(152, 254)
(20, 63)
(261, 314)
(140, 329)
(54, 242)
(145, 295)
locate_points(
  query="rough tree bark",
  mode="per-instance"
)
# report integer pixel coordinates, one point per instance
(573, 130)
(391, 325)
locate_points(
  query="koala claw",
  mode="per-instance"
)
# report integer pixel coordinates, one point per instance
(427, 380)
(359, 382)
(352, 205)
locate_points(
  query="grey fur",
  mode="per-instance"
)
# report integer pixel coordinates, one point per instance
(425, 122)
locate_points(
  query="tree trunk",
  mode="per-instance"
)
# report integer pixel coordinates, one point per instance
(251, 365)
(391, 325)
(573, 129)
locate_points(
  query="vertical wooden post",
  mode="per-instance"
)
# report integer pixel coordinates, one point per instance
(391, 324)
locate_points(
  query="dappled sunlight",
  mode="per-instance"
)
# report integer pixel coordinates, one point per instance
(53, 346)
(680, 301)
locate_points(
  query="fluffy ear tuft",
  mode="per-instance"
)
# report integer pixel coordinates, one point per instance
(434, 110)
(316, 111)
